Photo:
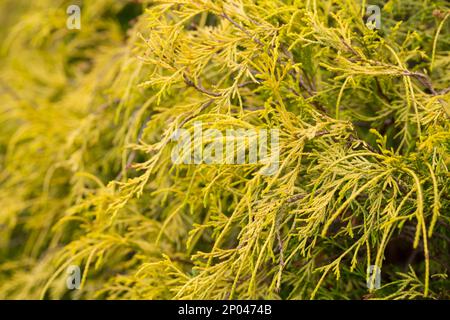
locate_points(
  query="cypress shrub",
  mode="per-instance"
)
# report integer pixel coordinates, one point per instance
(88, 179)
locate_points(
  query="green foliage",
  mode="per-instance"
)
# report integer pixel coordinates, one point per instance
(86, 176)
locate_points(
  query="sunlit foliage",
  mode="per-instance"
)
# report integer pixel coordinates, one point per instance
(86, 177)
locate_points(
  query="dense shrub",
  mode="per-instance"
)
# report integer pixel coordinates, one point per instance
(87, 179)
